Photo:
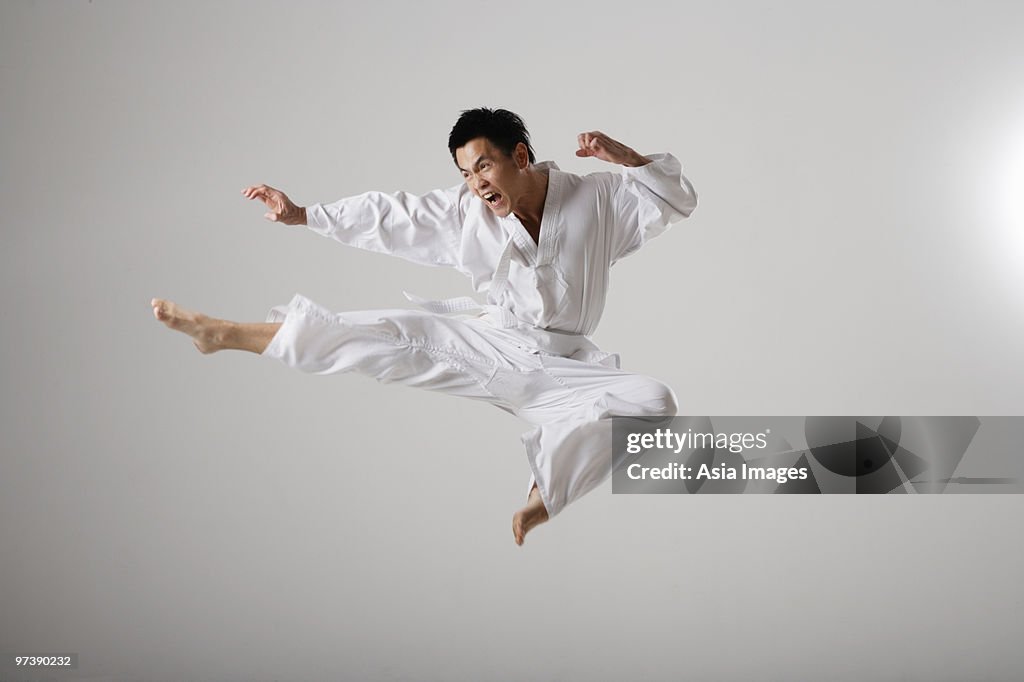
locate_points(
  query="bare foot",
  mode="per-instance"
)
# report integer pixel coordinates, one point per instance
(207, 333)
(530, 516)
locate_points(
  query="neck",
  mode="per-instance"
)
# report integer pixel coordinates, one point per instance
(530, 210)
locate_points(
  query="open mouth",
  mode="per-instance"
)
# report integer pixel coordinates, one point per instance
(492, 198)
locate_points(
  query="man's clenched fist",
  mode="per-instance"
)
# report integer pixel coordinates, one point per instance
(597, 144)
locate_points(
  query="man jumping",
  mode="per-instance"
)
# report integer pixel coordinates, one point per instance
(539, 243)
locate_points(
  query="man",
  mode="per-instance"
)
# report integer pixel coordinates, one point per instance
(539, 243)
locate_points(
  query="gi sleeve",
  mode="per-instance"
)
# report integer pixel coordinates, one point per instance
(424, 229)
(646, 200)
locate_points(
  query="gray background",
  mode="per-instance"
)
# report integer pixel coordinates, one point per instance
(858, 250)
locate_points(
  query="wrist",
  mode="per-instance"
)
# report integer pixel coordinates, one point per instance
(636, 160)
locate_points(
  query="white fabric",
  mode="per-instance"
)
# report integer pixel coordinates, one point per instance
(589, 222)
(527, 349)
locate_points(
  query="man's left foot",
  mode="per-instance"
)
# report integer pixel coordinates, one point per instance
(529, 517)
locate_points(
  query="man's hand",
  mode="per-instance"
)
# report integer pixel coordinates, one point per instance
(597, 144)
(282, 210)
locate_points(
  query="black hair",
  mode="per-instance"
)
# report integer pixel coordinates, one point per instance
(501, 127)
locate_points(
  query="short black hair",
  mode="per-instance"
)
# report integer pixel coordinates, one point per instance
(501, 127)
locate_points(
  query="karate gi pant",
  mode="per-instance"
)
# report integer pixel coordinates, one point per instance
(568, 402)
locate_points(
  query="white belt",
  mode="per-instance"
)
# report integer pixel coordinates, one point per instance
(465, 304)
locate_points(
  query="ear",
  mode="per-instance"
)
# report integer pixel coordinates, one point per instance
(521, 155)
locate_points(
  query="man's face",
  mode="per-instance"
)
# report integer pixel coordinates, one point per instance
(491, 175)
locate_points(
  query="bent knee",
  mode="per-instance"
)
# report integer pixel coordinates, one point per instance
(651, 398)
(664, 402)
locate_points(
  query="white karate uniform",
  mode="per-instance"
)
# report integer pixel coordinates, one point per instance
(526, 350)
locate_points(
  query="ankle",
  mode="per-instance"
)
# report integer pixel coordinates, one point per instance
(220, 333)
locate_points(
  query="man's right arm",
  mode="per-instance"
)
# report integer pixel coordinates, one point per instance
(425, 229)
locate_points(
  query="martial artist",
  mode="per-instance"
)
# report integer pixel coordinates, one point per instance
(538, 242)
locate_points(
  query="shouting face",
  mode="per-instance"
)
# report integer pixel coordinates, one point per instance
(498, 179)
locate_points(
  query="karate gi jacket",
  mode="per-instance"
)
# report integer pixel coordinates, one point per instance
(551, 293)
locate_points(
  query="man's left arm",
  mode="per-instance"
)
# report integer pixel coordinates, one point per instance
(600, 146)
(650, 193)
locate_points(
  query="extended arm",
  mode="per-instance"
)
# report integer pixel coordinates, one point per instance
(425, 229)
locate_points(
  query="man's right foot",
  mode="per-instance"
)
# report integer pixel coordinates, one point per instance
(207, 333)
